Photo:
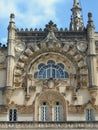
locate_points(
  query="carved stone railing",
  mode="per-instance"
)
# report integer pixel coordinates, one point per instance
(49, 125)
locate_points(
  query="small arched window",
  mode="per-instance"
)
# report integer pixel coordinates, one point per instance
(58, 112)
(12, 115)
(90, 114)
(51, 71)
(44, 112)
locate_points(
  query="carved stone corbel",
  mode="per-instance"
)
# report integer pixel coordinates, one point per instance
(93, 94)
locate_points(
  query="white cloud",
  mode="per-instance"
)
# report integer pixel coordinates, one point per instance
(3, 40)
(29, 12)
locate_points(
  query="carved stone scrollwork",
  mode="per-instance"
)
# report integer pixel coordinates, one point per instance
(66, 48)
(19, 47)
(82, 46)
(25, 85)
(90, 104)
(54, 84)
(28, 52)
(93, 93)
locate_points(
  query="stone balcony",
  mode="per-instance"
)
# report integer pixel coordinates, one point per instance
(49, 125)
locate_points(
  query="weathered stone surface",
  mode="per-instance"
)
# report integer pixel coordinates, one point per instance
(50, 67)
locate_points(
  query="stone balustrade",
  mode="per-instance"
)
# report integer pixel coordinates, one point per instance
(49, 125)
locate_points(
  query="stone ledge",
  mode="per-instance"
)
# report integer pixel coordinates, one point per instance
(49, 125)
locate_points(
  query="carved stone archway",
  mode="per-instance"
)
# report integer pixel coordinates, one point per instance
(50, 96)
(36, 51)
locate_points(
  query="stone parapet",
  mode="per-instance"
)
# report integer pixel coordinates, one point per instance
(49, 125)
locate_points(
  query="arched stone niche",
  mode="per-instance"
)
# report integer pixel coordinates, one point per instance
(57, 58)
(50, 97)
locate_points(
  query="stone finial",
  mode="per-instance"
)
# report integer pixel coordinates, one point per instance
(89, 16)
(12, 22)
(90, 20)
(51, 26)
(76, 3)
(12, 17)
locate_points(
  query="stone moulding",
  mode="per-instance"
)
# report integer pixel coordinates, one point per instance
(50, 125)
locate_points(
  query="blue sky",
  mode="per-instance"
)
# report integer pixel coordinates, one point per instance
(37, 13)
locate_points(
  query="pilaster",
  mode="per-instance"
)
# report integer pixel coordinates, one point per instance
(10, 55)
(92, 64)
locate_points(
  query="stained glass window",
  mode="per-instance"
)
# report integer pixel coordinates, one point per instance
(51, 70)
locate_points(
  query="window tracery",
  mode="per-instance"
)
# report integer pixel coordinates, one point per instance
(44, 111)
(51, 70)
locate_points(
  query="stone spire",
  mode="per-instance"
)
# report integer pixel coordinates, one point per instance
(12, 22)
(76, 23)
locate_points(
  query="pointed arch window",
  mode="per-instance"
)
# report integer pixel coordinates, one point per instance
(51, 71)
(13, 115)
(44, 110)
(58, 112)
(90, 114)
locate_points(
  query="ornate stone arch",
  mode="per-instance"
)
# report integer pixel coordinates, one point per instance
(32, 53)
(50, 96)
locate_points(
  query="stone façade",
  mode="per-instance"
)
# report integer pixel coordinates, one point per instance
(76, 48)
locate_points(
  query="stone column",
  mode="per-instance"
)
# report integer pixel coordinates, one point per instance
(92, 62)
(10, 55)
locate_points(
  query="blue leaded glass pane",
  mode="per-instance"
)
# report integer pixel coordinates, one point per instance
(44, 75)
(61, 71)
(57, 67)
(51, 71)
(58, 74)
(40, 66)
(41, 71)
(63, 76)
(61, 65)
(48, 73)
